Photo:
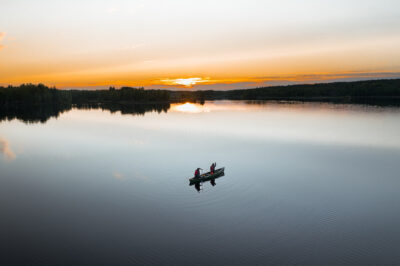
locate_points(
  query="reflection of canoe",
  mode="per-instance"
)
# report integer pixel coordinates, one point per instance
(207, 176)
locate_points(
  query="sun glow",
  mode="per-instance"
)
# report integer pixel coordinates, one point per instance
(187, 82)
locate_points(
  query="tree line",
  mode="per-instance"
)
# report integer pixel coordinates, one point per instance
(37, 103)
(41, 94)
(357, 91)
(350, 91)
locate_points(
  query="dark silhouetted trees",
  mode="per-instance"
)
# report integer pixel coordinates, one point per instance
(361, 91)
(41, 94)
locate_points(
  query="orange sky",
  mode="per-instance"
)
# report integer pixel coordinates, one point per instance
(197, 44)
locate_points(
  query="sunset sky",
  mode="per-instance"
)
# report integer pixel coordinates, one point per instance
(190, 44)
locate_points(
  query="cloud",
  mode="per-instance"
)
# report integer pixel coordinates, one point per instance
(266, 81)
(2, 34)
(6, 150)
(186, 82)
(111, 10)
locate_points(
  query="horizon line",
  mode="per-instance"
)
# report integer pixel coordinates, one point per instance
(192, 90)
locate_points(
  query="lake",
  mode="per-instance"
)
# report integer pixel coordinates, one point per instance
(305, 183)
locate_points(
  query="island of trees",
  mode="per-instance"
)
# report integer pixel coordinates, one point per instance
(38, 102)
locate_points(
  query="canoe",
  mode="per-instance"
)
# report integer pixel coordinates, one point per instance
(207, 176)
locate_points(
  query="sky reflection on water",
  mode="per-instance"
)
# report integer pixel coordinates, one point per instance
(305, 183)
(5, 150)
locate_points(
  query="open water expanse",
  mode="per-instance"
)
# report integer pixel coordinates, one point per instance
(305, 183)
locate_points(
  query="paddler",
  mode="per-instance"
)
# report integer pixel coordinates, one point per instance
(197, 172)
(212, 168)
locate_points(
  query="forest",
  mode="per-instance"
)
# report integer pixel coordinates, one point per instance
(358, 91)
(41, 94)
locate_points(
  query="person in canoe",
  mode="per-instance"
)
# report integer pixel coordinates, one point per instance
(197, 172)
(212, 168)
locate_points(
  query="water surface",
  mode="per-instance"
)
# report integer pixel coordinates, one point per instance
(305, 183)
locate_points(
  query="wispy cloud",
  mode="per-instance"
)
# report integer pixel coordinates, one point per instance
(112, 10)
(133, 46)
(2, 35)
(6, 150)
(265, 81)
(329, 76)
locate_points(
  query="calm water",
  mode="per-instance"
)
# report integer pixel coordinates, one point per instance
(304, 184)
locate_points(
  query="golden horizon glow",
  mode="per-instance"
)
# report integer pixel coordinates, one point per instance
(216, 83)
(2, 35)
(186, 82)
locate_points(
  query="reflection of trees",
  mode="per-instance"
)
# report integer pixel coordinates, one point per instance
(128, 108)
(32, 113)
(43, 112)
(37, 103)
(375, 101)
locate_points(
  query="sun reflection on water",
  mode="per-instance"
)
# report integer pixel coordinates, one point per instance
(189, 108)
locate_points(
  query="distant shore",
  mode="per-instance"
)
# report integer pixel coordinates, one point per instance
(368, 92)
(37, 103)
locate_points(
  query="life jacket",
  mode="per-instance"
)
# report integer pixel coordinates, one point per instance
(196, 173)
